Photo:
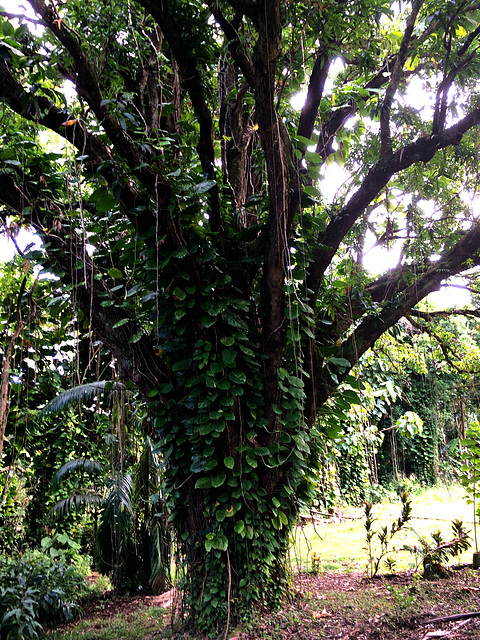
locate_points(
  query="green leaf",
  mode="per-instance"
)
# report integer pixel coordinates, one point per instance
(203, 483)
(237, 376)
(342, 363)
(221, 542)
(228, 356)
(208, 545)
(179, 294)
(136, 337)
(204, 186)
(239, 527)
(120, 323)
(229, 462)
(217, 481)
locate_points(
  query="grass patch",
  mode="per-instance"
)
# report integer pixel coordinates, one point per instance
(133, 625)
(337, 544)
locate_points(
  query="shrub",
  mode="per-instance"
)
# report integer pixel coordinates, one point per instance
(36, 588)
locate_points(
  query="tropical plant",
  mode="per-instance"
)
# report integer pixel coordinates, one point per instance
(434, 552)
(378, 541)
(132, 540)
(180, 203)
(36, 588)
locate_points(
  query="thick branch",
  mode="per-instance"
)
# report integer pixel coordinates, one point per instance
(401, 299)
(316, 87)
(192, 81)
(234, 44)
(266, 51)
(431, 315)
(422, 150)
(395, 79)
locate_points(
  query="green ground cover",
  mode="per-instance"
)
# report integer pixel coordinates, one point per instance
(339, 542)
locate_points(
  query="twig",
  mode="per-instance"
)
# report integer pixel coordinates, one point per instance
(457, 616)
(229, 593)
(445, 634)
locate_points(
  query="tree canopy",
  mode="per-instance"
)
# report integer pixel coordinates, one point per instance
(179, 196)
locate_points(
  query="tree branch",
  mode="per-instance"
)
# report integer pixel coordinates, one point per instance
(234, 45)
(422, 150)
(431, 315)
(316, 87)
(192, 80)
(385, 142)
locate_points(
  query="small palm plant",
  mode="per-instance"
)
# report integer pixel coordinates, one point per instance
(132, 541)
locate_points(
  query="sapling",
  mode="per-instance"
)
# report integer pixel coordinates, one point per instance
(434, 552)
(384, 535)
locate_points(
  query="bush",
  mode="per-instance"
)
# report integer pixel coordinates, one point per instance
(36, 588)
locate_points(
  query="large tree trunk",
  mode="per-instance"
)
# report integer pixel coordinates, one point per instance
(209, 287)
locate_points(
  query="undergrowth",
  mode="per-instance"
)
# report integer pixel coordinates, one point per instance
(36, 588)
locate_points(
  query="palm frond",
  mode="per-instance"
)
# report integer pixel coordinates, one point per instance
(147, 473)
(160, 555)
(74, 466)
(79, 394)
(119, 500)
(76, 502)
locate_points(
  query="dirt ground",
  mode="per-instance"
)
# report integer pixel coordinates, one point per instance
(337, 606)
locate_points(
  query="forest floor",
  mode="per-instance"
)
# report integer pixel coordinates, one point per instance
(332, 598)
(340, 606)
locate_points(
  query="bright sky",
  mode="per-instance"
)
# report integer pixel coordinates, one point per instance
(7, 248)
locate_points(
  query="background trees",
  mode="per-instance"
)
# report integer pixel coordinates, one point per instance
(180, 208)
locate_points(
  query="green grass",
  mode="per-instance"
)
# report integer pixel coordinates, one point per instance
(339, 543)
(141, 623)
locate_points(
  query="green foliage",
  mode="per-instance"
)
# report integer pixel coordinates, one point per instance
(470, 470)
(80, 394)
(60, 545)
(36, 588)
(434, 552)
(378, 541)
(133, 542)
(410, 424)
(185, 231)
